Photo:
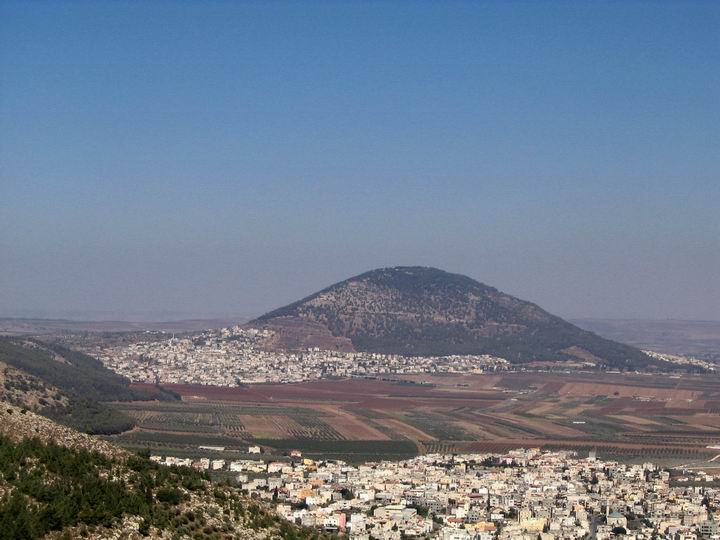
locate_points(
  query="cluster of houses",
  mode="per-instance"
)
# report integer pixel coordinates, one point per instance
(523, 494)
(234, 356)
(683, 361)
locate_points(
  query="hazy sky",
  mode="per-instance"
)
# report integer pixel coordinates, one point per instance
(176, 159)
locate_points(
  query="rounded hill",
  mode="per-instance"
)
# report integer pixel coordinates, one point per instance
(420, 311)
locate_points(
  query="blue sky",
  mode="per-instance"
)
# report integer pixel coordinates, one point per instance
(176, 159)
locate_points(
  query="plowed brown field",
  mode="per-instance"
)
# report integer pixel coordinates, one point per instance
(631, 414)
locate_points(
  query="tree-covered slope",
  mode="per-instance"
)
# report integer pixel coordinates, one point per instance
(57, 483)
(66, 385)
(426, 311)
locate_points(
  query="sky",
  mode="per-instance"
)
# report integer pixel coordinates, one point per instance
(164, 160)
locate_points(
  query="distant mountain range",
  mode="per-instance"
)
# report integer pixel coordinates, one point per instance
(419, 311)
(44, 327)
(690, 338)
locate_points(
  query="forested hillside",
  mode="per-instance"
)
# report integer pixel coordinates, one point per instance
(57, 483)
(67, 385)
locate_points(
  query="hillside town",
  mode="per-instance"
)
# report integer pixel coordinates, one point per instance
(234, 356)
(523, 494)
(686, 361)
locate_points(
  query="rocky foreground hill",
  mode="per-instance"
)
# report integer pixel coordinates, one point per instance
(58, 483)
(422, 311)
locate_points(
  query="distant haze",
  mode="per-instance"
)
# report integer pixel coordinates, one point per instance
(215, 160)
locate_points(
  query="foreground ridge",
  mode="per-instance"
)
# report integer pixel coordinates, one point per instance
(58, 483)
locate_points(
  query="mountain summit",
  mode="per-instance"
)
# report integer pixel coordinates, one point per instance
(415, 310)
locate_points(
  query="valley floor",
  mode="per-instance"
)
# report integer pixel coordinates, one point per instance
(666, 419)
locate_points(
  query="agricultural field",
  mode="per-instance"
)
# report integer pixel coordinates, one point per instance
(633, 417)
